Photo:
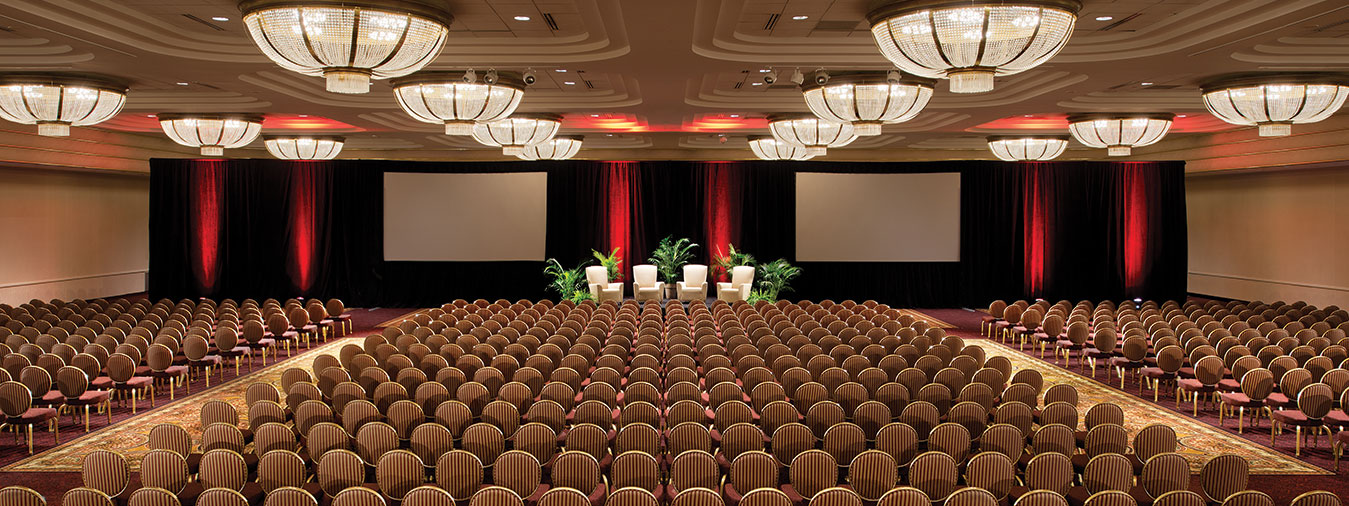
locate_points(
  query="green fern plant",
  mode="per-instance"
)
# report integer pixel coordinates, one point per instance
(670, 256)
(565, 282)
(773, 278)
(612, 264)
(723, 264)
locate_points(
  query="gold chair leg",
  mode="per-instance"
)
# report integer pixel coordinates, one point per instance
(86, 418)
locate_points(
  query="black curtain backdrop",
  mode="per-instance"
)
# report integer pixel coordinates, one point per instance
(270, 228)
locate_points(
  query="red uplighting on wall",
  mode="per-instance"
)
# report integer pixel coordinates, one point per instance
(614, 122)
(303, 194)
(1184, 123)
(1034, 230)
(1136, 259)
(206, 218)
(721, 209)
(723, 122)
(139, 122)
(620, 178)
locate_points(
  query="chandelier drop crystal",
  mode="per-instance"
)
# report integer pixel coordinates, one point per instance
(811, 132)
(1274, 102)
(516, 132)
(1121, 132)
(560, 147)
(970, 41)
(54, 102)
(1027, 148)
(304, 147)
(868, 99)
(767, 148)
(213, 133)
(348, 42)
(447, 97)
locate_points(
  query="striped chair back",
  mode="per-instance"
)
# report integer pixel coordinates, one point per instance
(905, 496)
(1111, 498)
(813, 471)
(952, 439)
(576, 469)
(697, 497)
(1015, 413)
(639, 437)
(1316, 498)
(900, 440)
(589, 438)
(518, 471)
(765, 497)
(844, 441)
(934, 473)
(1003, 438)
(1249, 498)
(494, 496)
(872, 474)
(1051, 471)
(1180, 498)
(289, 496)
(105, 471)
(398, 472)
(153, 496)
(636, 469)
(837, 496)
(222, 497)
(991, 471)
(273, 436)
(1061, 413)
(85, 497)
(405, 415)
(1041, 498)
(456, 417)
(534, 438)
(218, 411)
(281, 468)
(870, 416)
(1054, 438)
(753, 470)
(689, 436)
(1224, 475)
(358, 496)
(971, 496)
(740, 438)
(164, 469)
(563, 496)
(223, 468)
(339, 470)
(375, 439)
(1154, 439)
(1108, 472)
(460, 473)
(1164, 473)
(694, 469)
(484, 441)
(172, 437)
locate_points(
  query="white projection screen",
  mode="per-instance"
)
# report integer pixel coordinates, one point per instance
(877, 217)
(465, 217)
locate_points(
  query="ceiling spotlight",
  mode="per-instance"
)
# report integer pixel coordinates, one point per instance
(1119, 132)
(1027, 148)
(348, 42)
(1275, 102)
(182, 84)
(756, 84)
(868, 99)
(971, 41)
(559, 70)
(799, 18)
(220, 18)
(522, 18)
(54, 102)
(213, 133)
(1104, 18)
(569, 83)
(1145, 84)
(735, 115)
(304, 147)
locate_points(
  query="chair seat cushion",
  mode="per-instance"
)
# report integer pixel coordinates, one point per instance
(175, 370)
(1277, 399)
(1229, 385)
(1156, 373)
(1295, 417)
(139, 381)
(51, 397)
(1124, 362)
(101, 383)
(1238, 399)
(1336, 417)
(206, 360)
(89, 397)
(33, 415)
(262, 343)
(1191, 384)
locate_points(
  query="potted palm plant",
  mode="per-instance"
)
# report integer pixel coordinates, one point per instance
(669, 257)
(773, 278)
(568, 284)
(723, 264)
(612, 264)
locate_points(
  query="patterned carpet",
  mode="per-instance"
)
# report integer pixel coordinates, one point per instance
(1199, 441)
(131, 436)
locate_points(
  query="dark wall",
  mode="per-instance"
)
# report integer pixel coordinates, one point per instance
(269, 228)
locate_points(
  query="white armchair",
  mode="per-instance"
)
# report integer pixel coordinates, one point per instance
(694, 285)
(644, 284)
(742, 277)
(600, 287)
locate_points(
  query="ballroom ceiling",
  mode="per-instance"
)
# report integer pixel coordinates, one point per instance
(675, 79)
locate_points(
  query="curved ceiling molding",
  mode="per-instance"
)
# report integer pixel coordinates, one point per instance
(372, 143)
(715, 36)
(875, 141)
(1137, 101)
(623, 92)
(927, 121)
(187, 101)
(963, 143)
(1298, 53)
(312, 90)
(398, 121)
(1011, 90)
(1199, 23)
(603, 35)
(35, 52)
(713, 141)
(119, 22)
(460, 142)
(717, 91)
(615, 141)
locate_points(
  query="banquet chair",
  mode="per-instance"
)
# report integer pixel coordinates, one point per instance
(694, 285)
(644, 283)
(597, 278)
(16, 403)
(742, 280)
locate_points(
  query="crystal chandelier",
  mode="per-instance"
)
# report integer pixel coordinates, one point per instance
(767, 148)
(868, 99)
(1274, 102)
(348, 42)
(211, 132)
(1119, 132)
(1027, 148)
(560, 147)
(304, 147)
(458, 101)
(811, 132)
(54, 102)
(970, 41)
(516, 132)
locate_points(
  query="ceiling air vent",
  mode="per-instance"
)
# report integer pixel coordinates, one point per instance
(772, 21)
(552, 23)
(204, 22)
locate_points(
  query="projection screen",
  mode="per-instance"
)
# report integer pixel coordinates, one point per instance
(877, 217)
(465, 217)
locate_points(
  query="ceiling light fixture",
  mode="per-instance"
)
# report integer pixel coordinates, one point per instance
(1119, 132)
(522, 18)
(569, 83)
(1104, 18)
(800, 18)
(348, 42)
(1027, 148)
(445, 97)
(182, 84)
(811, 132)
(213, 133)
(54, 102)
(1145, 83)
(1274, 102)
(868, 99)
(220, 18)
(560, 147)
(516, 132)
(304, 147)
(767, 148)
(968, 41)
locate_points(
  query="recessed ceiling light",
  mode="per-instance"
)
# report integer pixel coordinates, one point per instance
(735, 115)
(594, 115)
(151, 116)
(182, 84)
(1146, 84)
(522, 18)
(1181, 115)
(569, 83)
(220, 18)
(765, 71)
(1104, 18)
(799, 18)
(756, 84)
(560, 70)
(304, 115)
